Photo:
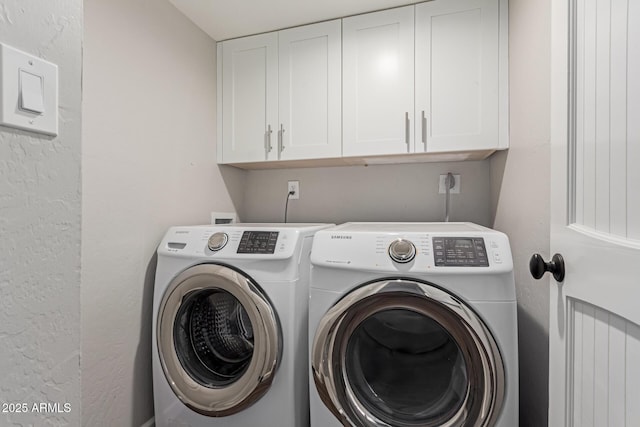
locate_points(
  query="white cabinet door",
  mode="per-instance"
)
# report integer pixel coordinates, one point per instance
(310, 91)
(249, 98)
(457, 80)
(378, 69)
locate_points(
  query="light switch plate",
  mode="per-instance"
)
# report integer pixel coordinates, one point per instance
(12, 113)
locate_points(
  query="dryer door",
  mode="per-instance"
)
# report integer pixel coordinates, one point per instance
(406, 353)
(219, 339)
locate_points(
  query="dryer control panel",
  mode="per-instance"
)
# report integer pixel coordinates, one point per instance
(460, 252)
(461, 248)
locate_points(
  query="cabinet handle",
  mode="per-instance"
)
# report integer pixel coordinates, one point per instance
(407, 131)
(281, 139)
(267, 139)
(424, 131)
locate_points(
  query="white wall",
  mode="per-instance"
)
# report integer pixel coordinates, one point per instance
(520, 184)
(407, 192)
(40, 211)
(148, 163)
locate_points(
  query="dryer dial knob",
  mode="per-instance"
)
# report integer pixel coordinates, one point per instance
(402, 251)
(217, 241)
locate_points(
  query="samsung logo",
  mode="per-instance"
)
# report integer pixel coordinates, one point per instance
(337, 236)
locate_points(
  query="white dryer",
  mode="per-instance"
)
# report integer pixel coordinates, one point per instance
(230, 322)
(412, 324)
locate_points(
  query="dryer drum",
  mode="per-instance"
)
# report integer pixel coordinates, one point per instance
(403, 366)
(405, 353)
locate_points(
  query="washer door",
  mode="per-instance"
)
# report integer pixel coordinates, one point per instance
(406, 353)
(219, 339)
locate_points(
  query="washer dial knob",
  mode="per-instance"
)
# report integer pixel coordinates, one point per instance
(402, 251)
(217, 241)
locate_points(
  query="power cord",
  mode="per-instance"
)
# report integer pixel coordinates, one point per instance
(286, 205)
(449, 183)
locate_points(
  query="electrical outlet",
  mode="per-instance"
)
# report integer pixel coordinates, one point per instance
(295, 187)
(456, 186)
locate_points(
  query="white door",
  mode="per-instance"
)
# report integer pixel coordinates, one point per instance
(310, 101)
(594, 330)
(378, 70)
(457, 76)
(249, 98)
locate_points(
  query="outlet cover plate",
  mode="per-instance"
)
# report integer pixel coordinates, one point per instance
(294, 186)
(456, 186)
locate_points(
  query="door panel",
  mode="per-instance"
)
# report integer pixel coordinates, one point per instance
(605, 127)
(604, 353)
(633, 124)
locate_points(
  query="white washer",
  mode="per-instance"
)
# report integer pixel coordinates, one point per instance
(412, 324)
(230, 322)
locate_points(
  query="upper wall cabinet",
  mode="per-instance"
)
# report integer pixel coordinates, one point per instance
(249, 98)
(378, 82)
(457, 75)
(417, 83)
(453, 105)
(281, 95)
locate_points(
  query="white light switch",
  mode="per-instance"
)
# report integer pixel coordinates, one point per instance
(29, 89)
(31, 92)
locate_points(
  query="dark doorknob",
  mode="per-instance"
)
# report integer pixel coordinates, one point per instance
(538, 267)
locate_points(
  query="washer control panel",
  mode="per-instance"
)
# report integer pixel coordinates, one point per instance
(245, 242)
(258, 242)
(460, 252)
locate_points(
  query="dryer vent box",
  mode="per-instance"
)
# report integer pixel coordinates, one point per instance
(218, 218)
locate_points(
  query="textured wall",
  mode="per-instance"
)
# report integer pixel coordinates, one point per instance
(520, 183)
(149, 162)
(407, 192)
(40, 229)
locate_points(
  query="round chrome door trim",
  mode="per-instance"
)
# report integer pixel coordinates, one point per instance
(485, 394)
(258, 376)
